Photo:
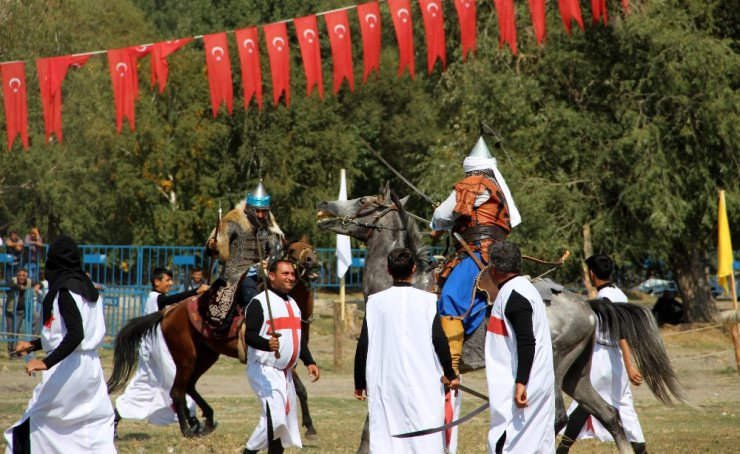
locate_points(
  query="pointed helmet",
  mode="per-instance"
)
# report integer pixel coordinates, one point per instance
(259, 198)
(480, 150)
(479, 158)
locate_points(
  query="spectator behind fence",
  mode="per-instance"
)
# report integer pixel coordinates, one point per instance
(35, 251)
(195, 281)
(14, 247)
(15, 305)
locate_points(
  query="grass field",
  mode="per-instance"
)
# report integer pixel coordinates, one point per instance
(703, 359)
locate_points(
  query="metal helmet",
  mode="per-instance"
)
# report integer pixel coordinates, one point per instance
(259, 198)
(480, 150)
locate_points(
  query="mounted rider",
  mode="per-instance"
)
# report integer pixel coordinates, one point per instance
(235, 241)
(482, 210)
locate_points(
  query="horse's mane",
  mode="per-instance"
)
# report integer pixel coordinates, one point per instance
(423, 253)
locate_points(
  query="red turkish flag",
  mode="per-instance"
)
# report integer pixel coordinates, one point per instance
(506, 25)
(337, 26)
(13, 76)
(369, 14)
(219, 71)
(160, 52)
(626, 6)
(51, 73)
(278, 50)
(308, 38)
(249, 57)
(401, 14)
(434, 29)
(124, 75)
(570, 10)
(598, 9)
(537, 11)
(466, 16)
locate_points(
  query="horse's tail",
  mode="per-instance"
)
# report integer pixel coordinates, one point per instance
(126, 352)
(636, 325)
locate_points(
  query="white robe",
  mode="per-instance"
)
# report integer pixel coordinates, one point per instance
(70, 411)
(530, 429)
(609, 378)
(271, 378)
(403, 372)
(148, 394)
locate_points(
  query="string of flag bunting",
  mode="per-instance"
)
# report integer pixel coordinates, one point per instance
(123, 62)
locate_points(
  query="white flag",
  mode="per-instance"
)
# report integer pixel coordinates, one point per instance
(344, 249)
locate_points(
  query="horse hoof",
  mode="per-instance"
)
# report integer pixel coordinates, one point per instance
(311, 433)
(208, 428)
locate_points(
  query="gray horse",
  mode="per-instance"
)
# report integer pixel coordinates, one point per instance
(381, 222)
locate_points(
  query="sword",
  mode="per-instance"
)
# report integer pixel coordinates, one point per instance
(452, 424)
(398, 174)
(210, 258)
(263, 274)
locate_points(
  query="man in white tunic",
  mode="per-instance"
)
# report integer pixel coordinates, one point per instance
(269, 315)
(519, 367)
(401, 356)
(611, 373)
(70, 411)
(148, 394)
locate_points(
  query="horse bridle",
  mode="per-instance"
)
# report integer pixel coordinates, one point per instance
(381, 208)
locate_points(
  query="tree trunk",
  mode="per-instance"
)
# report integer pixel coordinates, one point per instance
(688, 266)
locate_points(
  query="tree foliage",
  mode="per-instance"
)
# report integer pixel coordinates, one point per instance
(629, 128)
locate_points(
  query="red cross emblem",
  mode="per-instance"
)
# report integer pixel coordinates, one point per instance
(292, 323)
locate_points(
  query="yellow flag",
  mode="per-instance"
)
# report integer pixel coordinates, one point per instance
(724, 245)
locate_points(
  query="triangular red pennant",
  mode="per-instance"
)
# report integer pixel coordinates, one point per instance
(337, 26)
(369, 14)
(160, 52)
(598, 9)
(466, 16)
(249, 57)
(278, 50)
(626, 6)
(570, 10)
(124, 75)
(219, 71)
(13, 77)
(506, 23)
(51, 73)
(401, 14)
(537, 11)
(434, 29)
(308, 38)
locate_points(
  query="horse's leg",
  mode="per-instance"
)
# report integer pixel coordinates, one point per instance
(184, 354)
(577, 383)
(206, 358)
(365, 439)
(302, 394)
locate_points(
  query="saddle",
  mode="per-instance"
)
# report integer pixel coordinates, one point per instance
(215, 314)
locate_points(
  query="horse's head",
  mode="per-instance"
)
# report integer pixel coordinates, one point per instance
(307, 263)
(359, 217)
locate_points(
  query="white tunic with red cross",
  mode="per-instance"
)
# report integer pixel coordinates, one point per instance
(609, 378)
(529, 429)
(271, 378)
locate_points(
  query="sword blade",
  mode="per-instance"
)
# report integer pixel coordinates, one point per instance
(473, 392)
(420, 433)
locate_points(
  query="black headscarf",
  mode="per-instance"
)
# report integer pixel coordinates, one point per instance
(64, 270)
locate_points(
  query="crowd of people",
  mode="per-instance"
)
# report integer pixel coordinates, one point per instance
(424, 332)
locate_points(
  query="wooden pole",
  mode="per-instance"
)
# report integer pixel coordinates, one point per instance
(588, 251)
(343, 301)
(735, 328)
(337, 336)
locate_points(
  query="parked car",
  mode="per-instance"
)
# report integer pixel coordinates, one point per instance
(655, 286)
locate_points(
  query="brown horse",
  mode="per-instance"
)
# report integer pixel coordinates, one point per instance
(194, 354)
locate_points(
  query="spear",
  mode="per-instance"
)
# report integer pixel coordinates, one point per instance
(263, 274)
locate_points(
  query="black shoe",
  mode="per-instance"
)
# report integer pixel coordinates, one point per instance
(249, 451)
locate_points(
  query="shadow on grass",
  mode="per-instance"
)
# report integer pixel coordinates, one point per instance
(134, 436)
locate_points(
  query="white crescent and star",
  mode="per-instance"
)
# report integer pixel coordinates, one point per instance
(403, 14)
(248, 44)
(122, 68)
(337, 31)
(309, 34)
(277, 40)
(217, 52)
(371, 19)
(433, 8)
(12, 84)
